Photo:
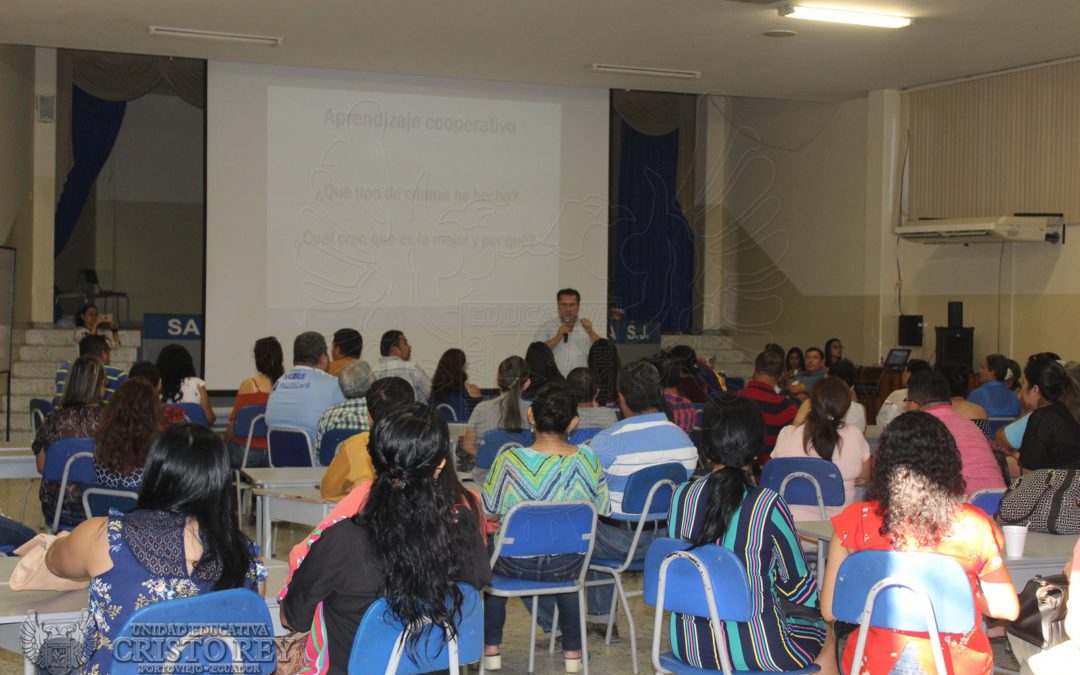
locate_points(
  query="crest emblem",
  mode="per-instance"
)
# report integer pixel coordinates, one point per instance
(56, 649)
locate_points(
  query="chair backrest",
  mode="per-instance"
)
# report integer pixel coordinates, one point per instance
(546, 528)
(448, 411)
(250, 420)
(454, 408)
(194, 412)
(380, 642)
(995, 423)
(660, 549)
(97, 501)
(495, 441)
(288, 447)
(583, 435)
(988, 500)
(330, 441)
(231, 627)
(641, 483)
(69, 460)
(39, 409)
(809, 481)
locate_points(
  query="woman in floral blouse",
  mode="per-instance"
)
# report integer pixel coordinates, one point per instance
(181, 540)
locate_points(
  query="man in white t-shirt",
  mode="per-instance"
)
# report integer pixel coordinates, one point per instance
(568, 336)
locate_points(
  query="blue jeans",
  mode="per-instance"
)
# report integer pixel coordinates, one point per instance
(564, 567)
(612, 542)
(257, 457)
(13, 533)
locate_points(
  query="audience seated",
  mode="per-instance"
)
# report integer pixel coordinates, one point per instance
(683, 412)
(590, 414)
(182, 539)
(993, 394)
(827, 434)
(915, 502)
(796, 364)
(89, 322)
(834, 351)
(178, 381)
(895, 402)
(604, 366)
(642, 439)
(727, 509)
(345, 348)
(698, 381)
(507, 411)
(13, 533)
(1052, 437)
(302, 394)
(170, 414)
(255, 390)
(811, 374)
(958, 376)
(396, 362)
(452, 379)
(844, 371)
(354, 379)
(777, 409)
(929, 392)
(542, 368)
(352, 464)
(553, 471)
(78, 416)
(131, 422)
(96, 346)
(409, 543)
(1011, 435)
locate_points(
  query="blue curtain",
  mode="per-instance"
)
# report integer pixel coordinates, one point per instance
(95, 123)
(653, 243)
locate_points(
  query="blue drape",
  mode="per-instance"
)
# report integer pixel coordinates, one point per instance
(95, 123)
(653, 242)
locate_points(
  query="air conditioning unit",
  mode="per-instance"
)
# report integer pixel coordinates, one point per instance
(989, 230)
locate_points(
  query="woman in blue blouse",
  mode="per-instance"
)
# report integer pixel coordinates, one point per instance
(993, 394)
(726, 508)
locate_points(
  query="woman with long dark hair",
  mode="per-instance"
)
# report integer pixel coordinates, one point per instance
(826, 435)
(1052, 437)
(795, 363)
(915, 502)
(132, 420)
(542, 368)
(410, 543)
(507, 411)
(181, 540)
(452, 378)
(834, 351)
(255, 390)
(993, 392)
(604, 366)
(728, 509)
(178, 381)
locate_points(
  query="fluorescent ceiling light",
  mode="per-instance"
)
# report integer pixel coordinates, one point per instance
(844, 16)
(195, 33)
(641, 70)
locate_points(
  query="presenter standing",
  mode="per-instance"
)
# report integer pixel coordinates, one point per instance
(568, 336)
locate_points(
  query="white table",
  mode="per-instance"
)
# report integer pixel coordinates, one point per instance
(294, 505)
(1043, 553)
(457, 430)
(63, 607)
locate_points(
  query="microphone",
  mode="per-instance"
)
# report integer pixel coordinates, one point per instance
(566, 337)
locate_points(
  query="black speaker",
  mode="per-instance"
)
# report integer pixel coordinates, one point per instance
(956, 314)
(955, 346)
(909, 332)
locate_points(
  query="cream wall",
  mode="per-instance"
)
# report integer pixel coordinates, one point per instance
(16, 132)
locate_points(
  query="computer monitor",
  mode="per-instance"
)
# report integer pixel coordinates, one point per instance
(897, 358)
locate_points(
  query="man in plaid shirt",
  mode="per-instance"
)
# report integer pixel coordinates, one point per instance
(355, 379)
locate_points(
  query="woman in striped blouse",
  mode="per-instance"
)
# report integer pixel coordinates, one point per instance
(726, 508)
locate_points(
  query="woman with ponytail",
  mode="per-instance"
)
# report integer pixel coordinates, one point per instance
(508, 411)
(825, 435)
(727, 509)
(411, 542)
(1052, 437)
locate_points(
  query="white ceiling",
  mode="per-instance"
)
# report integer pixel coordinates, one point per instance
(553, 41)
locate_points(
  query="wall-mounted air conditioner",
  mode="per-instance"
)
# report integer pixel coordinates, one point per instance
(990, 230)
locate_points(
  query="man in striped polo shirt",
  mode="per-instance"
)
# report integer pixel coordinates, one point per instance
(97, 346)
(777, 409)
(644, 438)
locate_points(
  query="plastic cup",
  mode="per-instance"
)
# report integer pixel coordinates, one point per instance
(1014, 540)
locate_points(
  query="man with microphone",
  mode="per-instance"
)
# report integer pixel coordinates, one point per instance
(568, 337)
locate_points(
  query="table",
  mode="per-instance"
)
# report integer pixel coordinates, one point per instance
(295, 505)
(1043, 553)
(457, 430)
(66, 606)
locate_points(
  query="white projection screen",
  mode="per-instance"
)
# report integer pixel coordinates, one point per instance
(452, 210)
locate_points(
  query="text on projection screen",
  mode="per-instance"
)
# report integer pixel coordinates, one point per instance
(407, 200)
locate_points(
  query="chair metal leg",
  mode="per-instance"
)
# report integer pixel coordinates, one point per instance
(554, 629)
(621, 592)
(583, 609)
(532, 633)
(611, 610)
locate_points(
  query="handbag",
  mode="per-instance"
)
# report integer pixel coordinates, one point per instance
(31, 574)
(1042, 611)
(1045, 500)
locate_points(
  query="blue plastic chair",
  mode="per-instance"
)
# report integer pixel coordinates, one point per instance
(584, 435)
(709, 582)
(69, 460)
(288, 447)
(988, 500)
(39, 410)
(98, 501)
(646, 500)
(233, 628)
(330, 442)
(454, 408)
(194, 412)
(545, 528)
(497, 440)
(907, 591)
(380, 641)
(995, 423)
(249, 423)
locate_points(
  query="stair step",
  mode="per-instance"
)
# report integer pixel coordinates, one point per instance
(35, 386)
(61, 337)
(57, 354)
(35, 369)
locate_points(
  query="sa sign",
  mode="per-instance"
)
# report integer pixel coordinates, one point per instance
(180, 328)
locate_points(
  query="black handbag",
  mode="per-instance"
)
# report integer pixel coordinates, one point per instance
(1042, 611)
(1045, 500)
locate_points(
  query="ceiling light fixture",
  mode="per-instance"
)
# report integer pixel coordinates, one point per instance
(641, 70)
(195, 33)
(844, 16)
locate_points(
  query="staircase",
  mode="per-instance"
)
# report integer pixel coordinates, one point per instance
(36, 354)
